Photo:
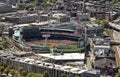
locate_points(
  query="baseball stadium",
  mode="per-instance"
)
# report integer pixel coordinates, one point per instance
(64, 37)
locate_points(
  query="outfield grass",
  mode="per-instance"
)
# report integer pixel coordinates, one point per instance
(73, 47)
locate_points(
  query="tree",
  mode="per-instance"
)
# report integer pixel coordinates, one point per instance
(27, 7)
(117, 74)
(39, 75)
(47, 4)
(23, 73)
(97, 21)
(20, 69)
(2, 69)
(1, 32)
(92, 64)
(12, 72)
(114, 1)
(7, 70)
(16, 75)
(63, 75)
(5, 44)
(46, 74)
(35, 3)
(33, 75)
(102, 1)
(69, 75)
(0, 75)
(105, 24)
(77, 76)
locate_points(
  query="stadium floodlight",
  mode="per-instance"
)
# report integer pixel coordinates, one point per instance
(46, 38)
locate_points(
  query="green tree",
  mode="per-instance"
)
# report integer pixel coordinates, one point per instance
(12, 72)
(2, 69)
(77, 76)
(23, 73)
(35, 3)
(114, 1)
(105, 24)
(102, 1)
(33, 75)
(92, 64)
(27, 7)
(4, 43)
(46, 74)
(39, 75)
(1, 32)
(16, 75)
(97, 21)
(0, 75)
(69, 75)
(117, 74)
(20, 69)
(7, 70)
(63, 75)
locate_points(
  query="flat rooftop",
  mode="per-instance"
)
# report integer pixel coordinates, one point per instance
(117, 26)
(66, 56)
(58, 15)
(44, 22)
(18, 15)
(102, 46)
(22, 25)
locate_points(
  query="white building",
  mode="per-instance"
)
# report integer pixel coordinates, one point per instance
(83, 17)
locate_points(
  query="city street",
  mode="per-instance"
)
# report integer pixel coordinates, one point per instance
(91, 57)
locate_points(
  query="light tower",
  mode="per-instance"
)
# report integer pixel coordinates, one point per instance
(46, 38)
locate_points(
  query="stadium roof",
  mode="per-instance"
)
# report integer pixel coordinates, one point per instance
(21, 25)
(66, 56)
